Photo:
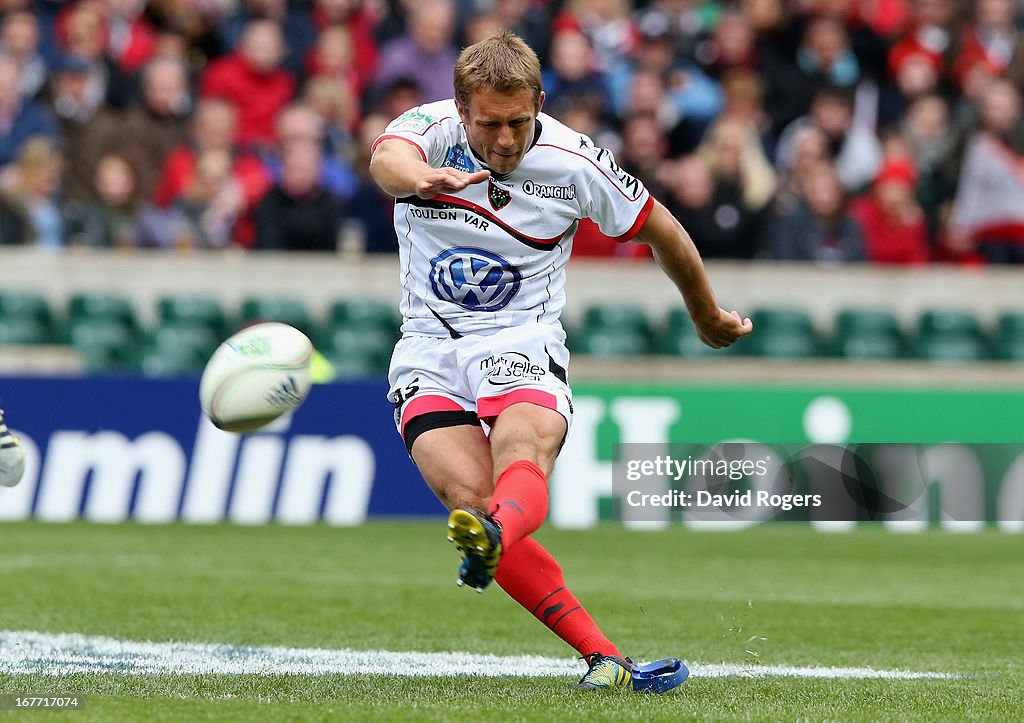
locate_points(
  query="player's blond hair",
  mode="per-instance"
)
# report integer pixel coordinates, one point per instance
(503, 63)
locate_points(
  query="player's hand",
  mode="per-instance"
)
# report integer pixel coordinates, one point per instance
(722, 330)
(447, 180)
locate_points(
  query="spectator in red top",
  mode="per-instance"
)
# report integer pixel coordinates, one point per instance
(129, 37)
(894, 227)
(360, 22)
(608, 25)
(214, 127)
(252, 78)
(291, 17)
(989, 44)
(132, 36)
(914, 74)
(930, 32)
(887, 18)
(333, 56)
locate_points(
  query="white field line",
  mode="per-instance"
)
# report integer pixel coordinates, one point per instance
(35, 653)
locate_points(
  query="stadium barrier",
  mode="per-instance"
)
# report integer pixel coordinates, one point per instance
(317, 279)
(111, 449)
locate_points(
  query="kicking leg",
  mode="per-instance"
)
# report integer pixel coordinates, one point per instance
(456, 463)
(525, 440)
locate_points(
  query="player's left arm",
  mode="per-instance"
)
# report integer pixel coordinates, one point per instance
(679, 259)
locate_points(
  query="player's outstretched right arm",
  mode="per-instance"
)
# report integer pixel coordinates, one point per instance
(399, 170)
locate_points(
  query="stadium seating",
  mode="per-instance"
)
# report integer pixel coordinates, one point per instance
(277, 308)
(156, 362)
(949, 335)
(612, 330)
(782, 318)
(950, 348)
(357, 335)
(779, 343)
(27, 306)
(618, 317)
(357, 350)
(22, 330)
(867, 345)
(105, 307)
(611, 342)
(860, 319)
(949, 322)
(863, 333)
(1008, 341)
(1011, 323)
(188, 344)
(105, 344)
(104, 330)
(193, 308)
(363, 312)
(679, 338)
(781, 332)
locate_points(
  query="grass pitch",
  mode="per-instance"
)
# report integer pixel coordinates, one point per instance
(772, 596)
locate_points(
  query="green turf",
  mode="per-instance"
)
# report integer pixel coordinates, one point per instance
(776, 595)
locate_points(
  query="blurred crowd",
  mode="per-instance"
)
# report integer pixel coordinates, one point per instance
(885, 131)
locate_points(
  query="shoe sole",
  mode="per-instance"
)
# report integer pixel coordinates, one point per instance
(469, 536)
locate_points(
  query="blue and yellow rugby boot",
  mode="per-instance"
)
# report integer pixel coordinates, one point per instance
(478, 538)
(607, 671)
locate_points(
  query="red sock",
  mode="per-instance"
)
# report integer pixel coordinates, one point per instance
(520, 501)
(532, 577)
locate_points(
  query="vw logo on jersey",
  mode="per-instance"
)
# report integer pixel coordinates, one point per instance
(474, 279)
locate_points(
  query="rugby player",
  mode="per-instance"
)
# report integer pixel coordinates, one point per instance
(12, 456)
(489, 193)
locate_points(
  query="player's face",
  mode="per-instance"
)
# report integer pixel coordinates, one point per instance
(500, 126)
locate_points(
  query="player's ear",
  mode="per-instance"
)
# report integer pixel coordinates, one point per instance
(540, 101)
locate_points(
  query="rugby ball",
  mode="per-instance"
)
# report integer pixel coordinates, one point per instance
(255, 376)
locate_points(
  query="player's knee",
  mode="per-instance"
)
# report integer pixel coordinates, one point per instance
(464, 498)
(464, 493)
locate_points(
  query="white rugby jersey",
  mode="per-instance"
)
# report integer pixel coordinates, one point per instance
(493, 255)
